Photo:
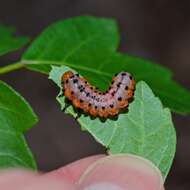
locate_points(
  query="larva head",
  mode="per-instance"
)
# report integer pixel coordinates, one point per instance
(67, 75)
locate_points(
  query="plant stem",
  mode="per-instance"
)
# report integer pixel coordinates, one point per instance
(11, 67)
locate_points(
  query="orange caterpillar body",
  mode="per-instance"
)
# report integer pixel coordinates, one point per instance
(97, 103)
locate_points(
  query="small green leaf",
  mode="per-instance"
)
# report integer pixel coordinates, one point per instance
(9, 42)
(72, 40)
(16, 117)
(146, 130)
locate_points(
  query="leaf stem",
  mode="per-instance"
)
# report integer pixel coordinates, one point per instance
(11, 67)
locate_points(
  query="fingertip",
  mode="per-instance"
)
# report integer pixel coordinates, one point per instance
(73, 171)
(16, 176)
(24, 179)
(119, 172)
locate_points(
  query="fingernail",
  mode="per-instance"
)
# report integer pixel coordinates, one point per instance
(103, 186)
(118, 172)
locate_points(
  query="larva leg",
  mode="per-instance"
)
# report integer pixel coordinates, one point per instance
(64, 109)
(78, 115)
(60, 95)
(67, 104)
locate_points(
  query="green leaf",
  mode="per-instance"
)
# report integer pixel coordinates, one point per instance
(72, 40)
(146, 130)
(88, 45)
(16, 117)
(9, 42)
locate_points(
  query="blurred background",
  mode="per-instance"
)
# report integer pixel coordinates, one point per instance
(158, 30)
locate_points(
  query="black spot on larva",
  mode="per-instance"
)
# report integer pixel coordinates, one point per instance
(111, 106)
(123, 74)
(89, 104)
(81, 90)
(116, 74)
(81, 101)
(67, 81)
(118, 84)
(71, 76)
(77, 75)
(126, 87)
(75, 80)
(80, 87)
(112, 82)
(130, 77)
(99, 93)
(95, 91)
(62, 82)
(113, 93)
(133, 93)
(72, 92)
(103, 107)
(91, 88)
(110, 88)
(87, 94)
(85, 82)
(119, 98)
(96, 107)
(106, 91)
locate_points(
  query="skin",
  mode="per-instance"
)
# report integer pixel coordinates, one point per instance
(93, 173)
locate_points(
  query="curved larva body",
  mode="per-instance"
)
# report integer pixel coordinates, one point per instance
(94, 102)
